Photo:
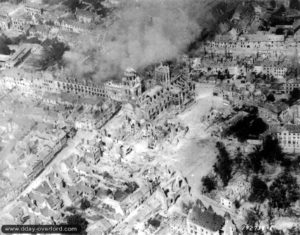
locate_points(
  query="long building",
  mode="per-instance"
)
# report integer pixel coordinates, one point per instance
(288, 137)
(178, 90)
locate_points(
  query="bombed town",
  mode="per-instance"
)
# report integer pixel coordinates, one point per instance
(150, 117)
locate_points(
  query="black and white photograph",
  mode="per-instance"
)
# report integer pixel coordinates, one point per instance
(150, 117)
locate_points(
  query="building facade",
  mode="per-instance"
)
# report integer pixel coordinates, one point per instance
(289, 138)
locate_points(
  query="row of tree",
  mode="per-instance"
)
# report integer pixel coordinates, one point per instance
(270, 152)
(223, 166)
(250, 126)
(282, 193)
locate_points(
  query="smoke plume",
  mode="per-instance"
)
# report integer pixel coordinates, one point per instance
(141, 33)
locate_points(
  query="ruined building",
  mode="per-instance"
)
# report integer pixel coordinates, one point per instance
(129, 89)
(162, 75)
(166, 91)
(178, 92)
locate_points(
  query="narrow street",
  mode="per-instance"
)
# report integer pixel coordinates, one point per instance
(63, 154)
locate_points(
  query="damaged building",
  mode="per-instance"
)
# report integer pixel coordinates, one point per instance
(177, 91)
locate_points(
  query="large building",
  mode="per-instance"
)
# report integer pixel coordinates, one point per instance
(291, 115)
(289, 137)
(202, 221)
(4, 22)
(290, 85)
(177, 91)
(276, 70)
(34, 9)
(162, 75)
(129, 89)
(214, 67)
(154, 101)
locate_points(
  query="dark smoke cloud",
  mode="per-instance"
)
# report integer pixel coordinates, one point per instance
(143, 32)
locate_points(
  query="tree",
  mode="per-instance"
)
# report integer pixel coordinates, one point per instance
(254, 161)
(294, 4)
(284, 191)
(252, 231)
(84, 204)
(72, 4)
(249, 126)
(237, 204)
(295, 164)
(273, 4)
(154, 222)
(4, 49)
(281, 10)
(294, 231)
(79, 221)
(259, 190)
(223, 167)
(271, 151)
(238, 161)
(270, 97)
(53, 52)
(208, 183)
(286, 162)
(254, 217)
(294, 96)
(258, 126)
(276, 232)
(71, 209)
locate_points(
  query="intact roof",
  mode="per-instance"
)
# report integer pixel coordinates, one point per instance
(207, 219)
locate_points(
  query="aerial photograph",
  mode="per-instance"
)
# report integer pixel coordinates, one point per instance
(150, 117)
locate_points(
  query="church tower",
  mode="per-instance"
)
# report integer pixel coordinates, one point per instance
(162, 75)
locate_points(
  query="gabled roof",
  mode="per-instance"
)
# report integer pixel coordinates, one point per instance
(207, 219)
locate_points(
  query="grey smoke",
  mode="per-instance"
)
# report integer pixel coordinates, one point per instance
(144, 32)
